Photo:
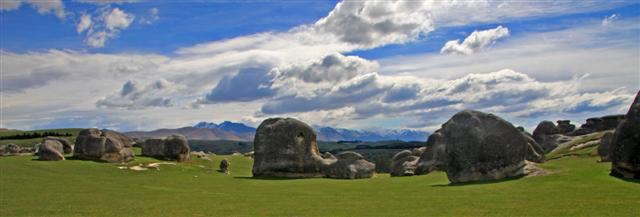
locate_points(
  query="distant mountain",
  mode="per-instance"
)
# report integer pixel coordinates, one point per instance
(227, 126)
(228, 130)
(194, 133)
(341, 134)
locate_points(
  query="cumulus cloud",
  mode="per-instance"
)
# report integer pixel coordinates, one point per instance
(55, 7)
(135, 95)
(249, 84)
(104, 24)
(476, 42)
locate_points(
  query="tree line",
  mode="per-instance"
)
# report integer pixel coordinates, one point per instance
(35, 135)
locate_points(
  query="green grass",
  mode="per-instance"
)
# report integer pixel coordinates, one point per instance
(31, 142)
(577, 186)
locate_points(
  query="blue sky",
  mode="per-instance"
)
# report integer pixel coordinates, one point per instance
(132, 65)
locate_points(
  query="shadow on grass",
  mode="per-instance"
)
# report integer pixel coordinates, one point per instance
(481, 182)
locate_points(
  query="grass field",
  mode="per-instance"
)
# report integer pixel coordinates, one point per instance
(577, 186)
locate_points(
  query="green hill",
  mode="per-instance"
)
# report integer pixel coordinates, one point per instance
(576, 186)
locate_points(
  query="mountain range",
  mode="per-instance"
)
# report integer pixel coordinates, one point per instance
(228, 130)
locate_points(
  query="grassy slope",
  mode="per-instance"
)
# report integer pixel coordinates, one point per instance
(578, 186)
(31, 142)
(564, 149)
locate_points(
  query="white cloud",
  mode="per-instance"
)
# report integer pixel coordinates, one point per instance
(135, 95)
(610, 19)
(55, 7)
(84, 24)
(476, 42)
(116, 19)
(105, 24)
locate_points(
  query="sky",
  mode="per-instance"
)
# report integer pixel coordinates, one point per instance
(142, 65)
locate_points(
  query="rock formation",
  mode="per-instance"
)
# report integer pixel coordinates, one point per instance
(66, 145)
(94, 144)
(224, 166)
(404, 163)
(535, 153)
(625, 145)
(604, 149)
(434, 157)
(548, 136)
(565, 126)
(9, 150)
(286, 147)
(610, 122)
(174, 147)
(482, 146)
(474, 146)
(350, 165)
(51, 150)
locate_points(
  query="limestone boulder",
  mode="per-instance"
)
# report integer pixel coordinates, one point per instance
(174, 147)
(625, 146)
(565, 126)
(9, 150)
(434, 157)
(224, 166)
(286, 147)
(350, 165)
(51, 150)
(404, 163)
(66, 145)
(481, 146)
(545, 128)
(94, 144)
(604, 149)
(535, 153)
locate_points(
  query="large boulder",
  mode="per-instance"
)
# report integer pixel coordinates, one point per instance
(66, 145)
(124, 139)
(174, 147)
(604, 149)
(404, 163)
(625, 146)
(286, 147)
(548, 137)
(350, 165)
(545, 128)
(434, 158)
(482, 146)
(94, 144)
(610, 122)
(9, 150)
(565, 126)
(51, 150)
(224, 166)
(535, 153)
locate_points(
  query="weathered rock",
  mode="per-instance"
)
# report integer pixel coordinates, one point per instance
(51, 150)
(610, 122)
(201, 155)
(565, 126)
(174, 147)
(9, 150)
(328, 155)
(592, 125)
(224, 166)
(404, 163)
(124, 139)
(94, 144)
(551, 142)
(625, 149)
(535, 153)
(350, 165)
(286, 147)
(604, 150)
(434, 157)
(544, 128)
(66, 145)
(482, 146)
